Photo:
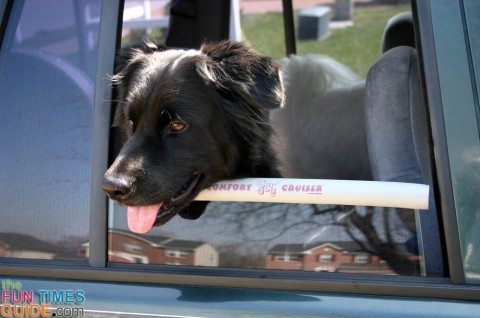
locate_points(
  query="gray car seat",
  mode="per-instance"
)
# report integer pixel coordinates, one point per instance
(397, 137)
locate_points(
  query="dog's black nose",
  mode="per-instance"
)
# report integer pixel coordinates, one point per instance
(117, 187)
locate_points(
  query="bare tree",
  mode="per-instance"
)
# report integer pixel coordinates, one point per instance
(375, 230)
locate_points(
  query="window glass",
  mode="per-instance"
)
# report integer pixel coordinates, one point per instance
(278, 236)
(303, 237)
(47, 67)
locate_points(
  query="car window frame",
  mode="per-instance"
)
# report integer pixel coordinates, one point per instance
(5, 6)
(437, 124)
(110, 21)
(460, 115)
(99, 269)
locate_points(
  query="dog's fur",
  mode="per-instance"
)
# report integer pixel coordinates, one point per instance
(223, 92)
(321, 131)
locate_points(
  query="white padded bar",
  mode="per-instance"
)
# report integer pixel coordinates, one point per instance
(320, 191)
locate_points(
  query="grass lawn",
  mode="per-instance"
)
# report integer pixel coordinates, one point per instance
(357, 47)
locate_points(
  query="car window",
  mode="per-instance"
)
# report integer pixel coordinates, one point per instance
(317, 238)
(47, 70)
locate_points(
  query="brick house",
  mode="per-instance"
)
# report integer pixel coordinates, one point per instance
(124, 246)
(195, 253)
(347, 257)
(127, 247)
(18, 245)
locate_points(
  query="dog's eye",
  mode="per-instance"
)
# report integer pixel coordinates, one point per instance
(177, 126)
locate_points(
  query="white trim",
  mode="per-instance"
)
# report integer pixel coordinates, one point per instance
(137, 237)
(336, 247)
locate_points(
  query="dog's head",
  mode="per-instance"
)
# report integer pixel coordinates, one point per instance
(192, 118)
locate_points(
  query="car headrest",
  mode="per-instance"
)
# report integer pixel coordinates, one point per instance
(398, 32)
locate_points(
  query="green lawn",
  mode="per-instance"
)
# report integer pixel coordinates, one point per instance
(357, 47)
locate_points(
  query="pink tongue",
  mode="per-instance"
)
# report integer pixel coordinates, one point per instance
(141, 218)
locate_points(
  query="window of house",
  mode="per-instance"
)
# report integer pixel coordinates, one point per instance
(325, 258)
(287, 258)
(361, 259)
(171, 253)
(176, 253)
(140, 260)
(294, 258)
(133, 247)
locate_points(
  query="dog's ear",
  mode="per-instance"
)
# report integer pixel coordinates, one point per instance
(127, 62)
(232, 66)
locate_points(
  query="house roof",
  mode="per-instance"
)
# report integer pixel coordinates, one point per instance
(183, 244)
(25, 242)
(301, 248)
(158, 239)
(290, 248)
(345, 246)
(150, 239)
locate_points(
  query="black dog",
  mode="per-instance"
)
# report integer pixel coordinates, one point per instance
(192, 118)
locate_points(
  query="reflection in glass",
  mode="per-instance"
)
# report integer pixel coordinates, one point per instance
(277, 236)
(47, 67)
